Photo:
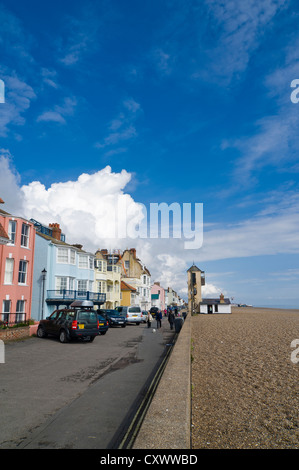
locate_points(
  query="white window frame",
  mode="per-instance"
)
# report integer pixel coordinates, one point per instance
(65, 255)
(9, 270)
(12, 234)
(62, 255)
(25, 235)
(72, 256)
(101, 285)
(20, 312)
(81, 289)
(59, 286)
(5, 311)
(83, 262)
(23, 273)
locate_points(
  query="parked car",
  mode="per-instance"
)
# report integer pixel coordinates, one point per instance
(103, 324)
(133, 313)
(79, 321)
(144, 316)
(154, 310)
(114, 317)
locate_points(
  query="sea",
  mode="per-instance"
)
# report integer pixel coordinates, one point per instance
(284, 307)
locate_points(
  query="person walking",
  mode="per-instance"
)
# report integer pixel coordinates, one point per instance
(171, 319)
(159, 319)
(149, 319)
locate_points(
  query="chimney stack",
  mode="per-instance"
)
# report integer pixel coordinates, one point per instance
(221, 298)
(56, 231)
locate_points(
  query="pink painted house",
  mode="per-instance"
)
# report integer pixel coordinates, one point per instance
(16, 268)
(158, 296)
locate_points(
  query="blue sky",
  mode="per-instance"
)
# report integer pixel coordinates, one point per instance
(163, 101)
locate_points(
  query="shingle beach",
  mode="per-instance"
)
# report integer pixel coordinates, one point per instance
(245, 390)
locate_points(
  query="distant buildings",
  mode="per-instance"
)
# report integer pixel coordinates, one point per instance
(135, 273)
(196, 279)
(128, 294)
(158, 296)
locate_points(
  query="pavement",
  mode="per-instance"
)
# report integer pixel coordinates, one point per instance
(167, 424)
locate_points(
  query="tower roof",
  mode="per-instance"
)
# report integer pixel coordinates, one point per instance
(193, 268)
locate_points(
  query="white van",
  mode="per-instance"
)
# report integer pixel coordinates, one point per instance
(133, 313)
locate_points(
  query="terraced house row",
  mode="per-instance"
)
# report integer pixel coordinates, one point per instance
(40, 271)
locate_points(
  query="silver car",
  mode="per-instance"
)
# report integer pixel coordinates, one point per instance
(133, 314)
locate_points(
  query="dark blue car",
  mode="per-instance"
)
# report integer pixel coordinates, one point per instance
(114, 317)
(103, 324)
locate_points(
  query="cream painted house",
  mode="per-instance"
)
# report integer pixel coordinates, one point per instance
(108, 277)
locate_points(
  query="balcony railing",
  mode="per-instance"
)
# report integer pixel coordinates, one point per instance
(64, 294)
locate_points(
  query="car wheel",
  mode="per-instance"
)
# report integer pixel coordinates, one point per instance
(103, 333)
(41, 332)
(91, 339)
(63, 336)
(137, 323)
(123, 326)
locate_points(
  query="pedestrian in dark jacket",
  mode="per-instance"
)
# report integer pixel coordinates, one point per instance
(171, 319)
(159, 319)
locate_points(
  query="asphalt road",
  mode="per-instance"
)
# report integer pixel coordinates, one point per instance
(77, 395)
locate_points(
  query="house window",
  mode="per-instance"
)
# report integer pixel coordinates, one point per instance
(101, 286)
(71, 283)
(62, 255)
(83, 261)
(6, 310)
(25, 236)
(109, 287)
(82, 286)
(99, 264)
(12, 228)
(61, 283)
(20, 311)
(8, 276)
(90, 263)
(72, 257)
(127, 264)
(22, 272)
(144, 279)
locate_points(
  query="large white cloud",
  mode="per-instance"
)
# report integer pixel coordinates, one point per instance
(90, 211)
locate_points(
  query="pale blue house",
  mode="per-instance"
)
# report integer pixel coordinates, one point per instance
(62, 273)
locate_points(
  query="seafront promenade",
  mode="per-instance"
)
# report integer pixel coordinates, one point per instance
(231, 383)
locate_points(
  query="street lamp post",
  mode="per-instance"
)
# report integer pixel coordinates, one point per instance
(44, 273)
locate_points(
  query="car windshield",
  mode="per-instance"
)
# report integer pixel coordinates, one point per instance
(87, 315)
